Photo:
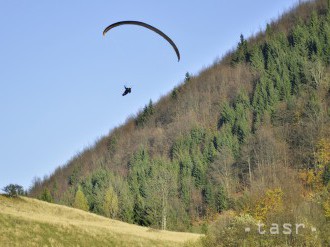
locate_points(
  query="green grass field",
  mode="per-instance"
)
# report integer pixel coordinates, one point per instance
(30, 222)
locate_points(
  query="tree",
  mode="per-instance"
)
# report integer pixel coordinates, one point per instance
(221, 200)
(242, 54)
(227, 115)
(225, 138)
(326, 208)
(74, 177)
(80, 200)
(161, 187)
(271, 202)
(125, 200)
(316, 72)
(151, 109)
(323, 159)
(13, 190)
(187, 77)
(198, 171)
(110, 203)
(222, 171)
(138, 166)
(241, 126)
(143, 116)
(46, 196)
(208, 196)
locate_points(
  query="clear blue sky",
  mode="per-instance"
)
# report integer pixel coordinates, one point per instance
(61, 80)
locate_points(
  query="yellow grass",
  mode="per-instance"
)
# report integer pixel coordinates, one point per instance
(30, 222)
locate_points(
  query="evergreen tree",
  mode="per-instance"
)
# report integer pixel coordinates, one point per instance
(46, 196)
(227, 115)
(125, 202)
(140, 212)
(143, 117)
(257, 60)
(198, 172)
(221, 200)
(73, 178)
(187, 77)
(226, 138)
(242, 54)
(241, 127)
(208, 195)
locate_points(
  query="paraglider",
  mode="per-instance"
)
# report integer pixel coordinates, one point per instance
(127, 90)
(138, 23)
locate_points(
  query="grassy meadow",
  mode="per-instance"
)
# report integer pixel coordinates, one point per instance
(30, 222)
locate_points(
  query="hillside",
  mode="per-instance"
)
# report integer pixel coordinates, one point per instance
(249, 135)
(29, 222)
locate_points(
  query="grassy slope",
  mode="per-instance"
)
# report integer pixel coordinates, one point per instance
(30, 222)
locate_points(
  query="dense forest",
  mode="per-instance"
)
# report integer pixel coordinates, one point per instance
(247, 140)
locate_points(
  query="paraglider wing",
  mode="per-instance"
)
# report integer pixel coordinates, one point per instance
(138, 23)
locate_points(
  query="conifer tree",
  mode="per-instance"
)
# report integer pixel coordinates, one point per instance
(46, 196)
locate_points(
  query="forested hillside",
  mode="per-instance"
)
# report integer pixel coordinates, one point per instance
(246, 140)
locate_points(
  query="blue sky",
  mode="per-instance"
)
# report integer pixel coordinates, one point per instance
(61, 80)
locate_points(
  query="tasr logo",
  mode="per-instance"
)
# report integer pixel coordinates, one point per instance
(275, 228)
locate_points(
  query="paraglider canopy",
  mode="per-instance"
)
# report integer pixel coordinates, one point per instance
(138, 23)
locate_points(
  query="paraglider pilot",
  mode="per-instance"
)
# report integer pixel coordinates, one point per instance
(127, 90)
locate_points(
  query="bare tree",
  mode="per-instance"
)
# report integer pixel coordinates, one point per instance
(222, 170)
(161, 186)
